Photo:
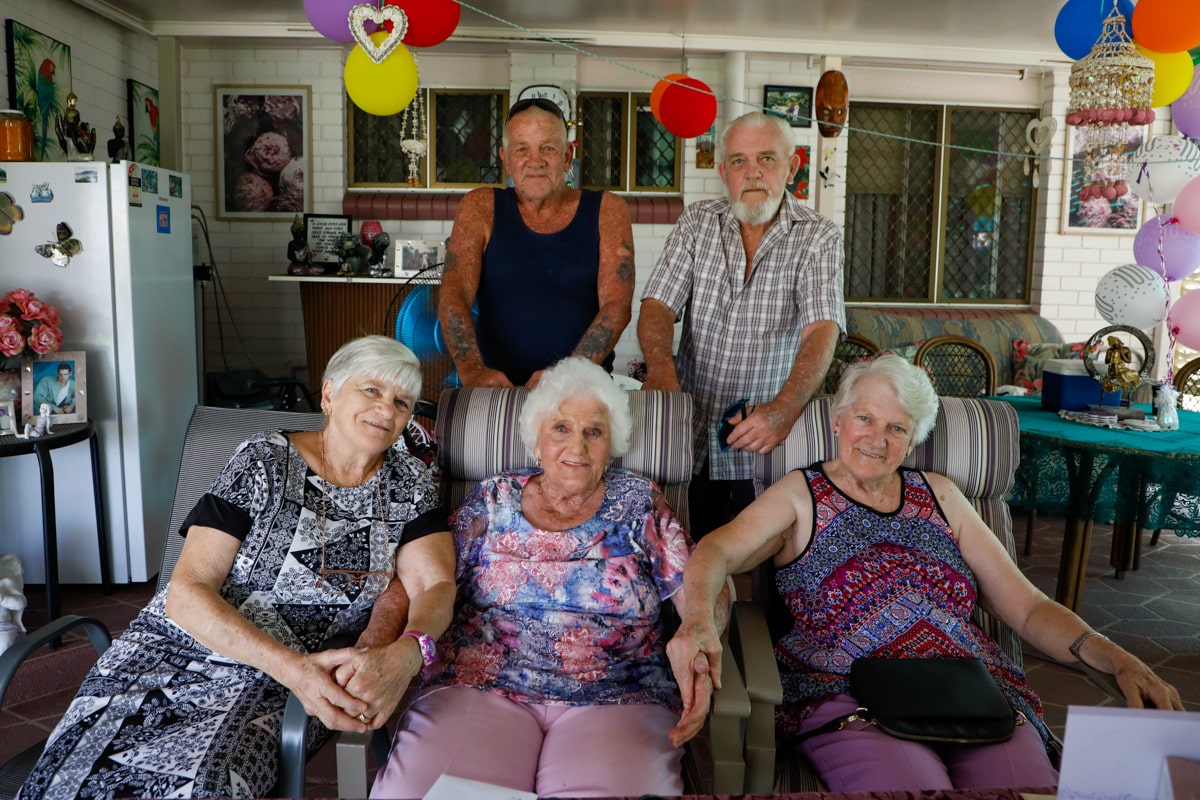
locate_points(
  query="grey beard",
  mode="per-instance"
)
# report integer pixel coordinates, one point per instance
(759, 214)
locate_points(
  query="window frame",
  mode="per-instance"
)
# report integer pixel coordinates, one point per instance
(631, 101)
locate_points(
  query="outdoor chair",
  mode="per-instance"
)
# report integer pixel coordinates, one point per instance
(852, 348)
(958, 367)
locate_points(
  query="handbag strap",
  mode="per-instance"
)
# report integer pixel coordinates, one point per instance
(836, 724)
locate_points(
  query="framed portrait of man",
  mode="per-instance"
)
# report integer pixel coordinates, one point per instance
(55, 383)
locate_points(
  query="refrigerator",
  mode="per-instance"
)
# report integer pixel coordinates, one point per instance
(127, 299)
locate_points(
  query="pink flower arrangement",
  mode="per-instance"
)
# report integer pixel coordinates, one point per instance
(28, 325)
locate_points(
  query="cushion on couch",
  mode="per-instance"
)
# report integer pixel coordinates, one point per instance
(1029, 360)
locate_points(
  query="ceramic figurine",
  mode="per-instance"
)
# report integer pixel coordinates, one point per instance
(117, 148)
(76, 137)
(12, 600)
(42, 428)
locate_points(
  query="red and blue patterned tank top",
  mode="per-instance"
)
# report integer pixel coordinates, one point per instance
(873, 583)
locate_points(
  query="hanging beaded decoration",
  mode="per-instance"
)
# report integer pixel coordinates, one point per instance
(413, 133)
(1111, 89)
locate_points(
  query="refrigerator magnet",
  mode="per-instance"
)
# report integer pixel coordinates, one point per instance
(41, 193)
(10, 213)
(164, 218)
(60, 252)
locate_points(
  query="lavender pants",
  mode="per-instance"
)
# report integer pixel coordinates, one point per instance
(862, 758)
(567, 751)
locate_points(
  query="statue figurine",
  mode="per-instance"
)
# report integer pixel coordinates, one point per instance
(75, 137)
(42, 428)
(118, 149)
(299, 253)
(1120, 376)
(378, 258)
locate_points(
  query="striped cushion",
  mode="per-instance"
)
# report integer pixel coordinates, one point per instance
(478, 433)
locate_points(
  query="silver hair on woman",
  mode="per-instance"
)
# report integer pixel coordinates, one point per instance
(757, 119)
(912, 385)
(578, 377)
(378, 357)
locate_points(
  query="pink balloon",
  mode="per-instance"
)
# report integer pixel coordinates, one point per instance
(1186, 110)
(1184, 320)
(331, 18)
(1187, 206)
(1180, 250)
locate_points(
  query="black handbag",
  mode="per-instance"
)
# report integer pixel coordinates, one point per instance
(935, 700)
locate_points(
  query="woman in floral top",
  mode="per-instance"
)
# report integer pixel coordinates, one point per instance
(553, 677)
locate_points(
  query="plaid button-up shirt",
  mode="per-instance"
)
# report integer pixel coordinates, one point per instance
(740, 335)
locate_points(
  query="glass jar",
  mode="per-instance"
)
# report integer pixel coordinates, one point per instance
(16, 136)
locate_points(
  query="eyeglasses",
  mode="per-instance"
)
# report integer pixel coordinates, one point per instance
(541, 103)
(345, 580)
(741, 409)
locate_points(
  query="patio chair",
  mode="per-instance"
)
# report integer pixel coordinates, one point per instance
(1187, 383)
(958, 367)
(213, 435)
(853, 348)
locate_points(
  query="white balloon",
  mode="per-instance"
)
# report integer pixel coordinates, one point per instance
(1132, 295)
(1160, 168)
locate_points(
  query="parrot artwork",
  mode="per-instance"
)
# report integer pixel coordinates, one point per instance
(152, 110)
(47, 98)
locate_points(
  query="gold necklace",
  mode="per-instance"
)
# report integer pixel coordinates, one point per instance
(353, 576)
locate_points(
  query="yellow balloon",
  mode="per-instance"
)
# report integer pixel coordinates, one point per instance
(385, 88)
(1172, 75)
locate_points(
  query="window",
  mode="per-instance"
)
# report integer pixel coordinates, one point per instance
(933, 224)
(622, 147)
(464, 147)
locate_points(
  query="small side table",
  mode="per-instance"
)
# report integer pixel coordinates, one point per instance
(62, 435)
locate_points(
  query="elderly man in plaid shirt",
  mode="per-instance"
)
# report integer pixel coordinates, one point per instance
(756, 278)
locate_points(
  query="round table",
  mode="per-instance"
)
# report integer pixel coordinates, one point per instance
(62, 434)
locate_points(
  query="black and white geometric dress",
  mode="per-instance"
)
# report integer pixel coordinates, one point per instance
(160, 715)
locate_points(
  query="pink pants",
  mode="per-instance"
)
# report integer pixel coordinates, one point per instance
(862, 758)
(567, 751)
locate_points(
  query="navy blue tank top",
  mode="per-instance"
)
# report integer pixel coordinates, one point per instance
(537, 291)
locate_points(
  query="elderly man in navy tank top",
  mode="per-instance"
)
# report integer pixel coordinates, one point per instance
(550, 266)
(760, 278)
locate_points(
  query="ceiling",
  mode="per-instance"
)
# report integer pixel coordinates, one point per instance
(966, 31)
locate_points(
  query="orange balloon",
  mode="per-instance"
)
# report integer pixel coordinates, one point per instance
(663, 84)
(1166, 26)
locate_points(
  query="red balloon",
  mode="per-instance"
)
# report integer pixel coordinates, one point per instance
(660, 87)
(687, 108)
(1166, 26)
(430, 22)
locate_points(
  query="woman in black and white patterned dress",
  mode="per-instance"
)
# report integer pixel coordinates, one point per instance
(293, 546)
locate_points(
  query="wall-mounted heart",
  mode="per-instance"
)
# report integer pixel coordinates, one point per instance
(1039, 133)
(363, 13)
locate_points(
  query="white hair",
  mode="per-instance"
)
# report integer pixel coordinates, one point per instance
(578, 377)
(758, 119)
(378, 357)
(911, 384)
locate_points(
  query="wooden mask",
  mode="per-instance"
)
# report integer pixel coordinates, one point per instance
(833, 101)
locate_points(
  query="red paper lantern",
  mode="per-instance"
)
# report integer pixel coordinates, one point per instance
(660, 87)
(687, 108)
(430, 22)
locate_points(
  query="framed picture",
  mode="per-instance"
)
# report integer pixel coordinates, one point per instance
(264, 138)
(1120, 215)
(415, 255)
(143, 123)
(57, 381)
(39, 80)
(324, 233)
(798, 185)
(8, 417)
(793, 103)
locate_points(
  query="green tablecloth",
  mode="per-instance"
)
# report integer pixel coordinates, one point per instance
(1152, 478)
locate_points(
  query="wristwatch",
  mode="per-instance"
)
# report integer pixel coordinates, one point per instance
(427, 645)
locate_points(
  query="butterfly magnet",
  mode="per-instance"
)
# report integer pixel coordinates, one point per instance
(10, 213)
(60, 252)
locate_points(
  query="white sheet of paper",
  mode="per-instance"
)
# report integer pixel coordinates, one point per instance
(1118, 753)
(448, 787)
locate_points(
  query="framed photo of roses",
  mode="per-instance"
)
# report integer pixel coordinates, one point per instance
(57, 380)
(264, 135)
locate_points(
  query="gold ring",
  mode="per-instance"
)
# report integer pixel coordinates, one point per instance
(363, 719)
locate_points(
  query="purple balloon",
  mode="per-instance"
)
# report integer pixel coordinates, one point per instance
(1180, 249)
(331, 18)
(1186, 110)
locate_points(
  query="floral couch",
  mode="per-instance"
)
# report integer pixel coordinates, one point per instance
(902, 330)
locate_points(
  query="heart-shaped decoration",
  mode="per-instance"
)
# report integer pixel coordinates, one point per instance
(363, 13)
(1039, 133)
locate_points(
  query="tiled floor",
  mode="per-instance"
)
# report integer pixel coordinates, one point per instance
(1154, 612)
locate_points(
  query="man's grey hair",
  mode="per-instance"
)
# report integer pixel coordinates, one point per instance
(757, 119)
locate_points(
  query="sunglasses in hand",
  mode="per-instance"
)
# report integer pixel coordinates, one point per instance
(734, 413)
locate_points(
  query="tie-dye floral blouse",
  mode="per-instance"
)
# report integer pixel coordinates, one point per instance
(564, 617)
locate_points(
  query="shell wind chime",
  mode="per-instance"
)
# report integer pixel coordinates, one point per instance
(1111, 89)
(413, 136)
